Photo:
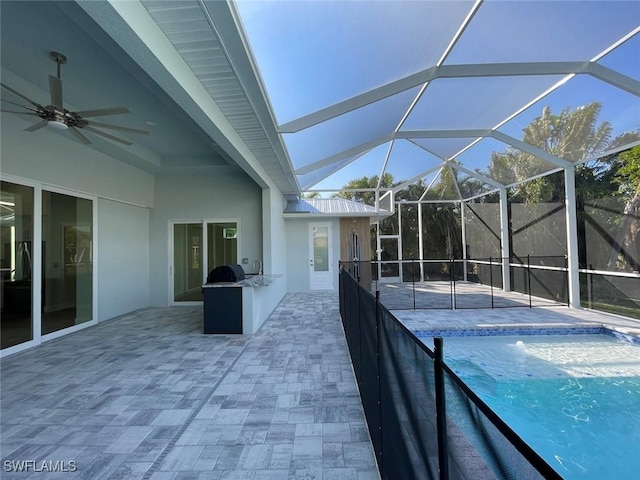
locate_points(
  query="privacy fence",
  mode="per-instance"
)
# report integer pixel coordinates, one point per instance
(424, 422)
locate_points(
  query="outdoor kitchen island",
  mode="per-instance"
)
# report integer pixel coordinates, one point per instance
(241, 307)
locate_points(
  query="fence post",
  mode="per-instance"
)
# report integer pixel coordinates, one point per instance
(491, 278)
(589, 286)
(359, 376)
(441, 410)
(452, 278)
(413, 282)
(381, 459)
(529, 278)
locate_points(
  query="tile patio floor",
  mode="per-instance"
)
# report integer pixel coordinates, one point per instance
(148, 396)
(474, 312)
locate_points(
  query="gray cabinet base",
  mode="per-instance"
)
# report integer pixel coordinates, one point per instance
(222, 310)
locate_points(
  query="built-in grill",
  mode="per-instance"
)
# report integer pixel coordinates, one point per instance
(226, 273)
(223, 303)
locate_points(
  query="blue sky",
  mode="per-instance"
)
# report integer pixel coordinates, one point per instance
(312, 54)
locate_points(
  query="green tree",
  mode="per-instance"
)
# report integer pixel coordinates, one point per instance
(310, 195)
(573, 135)
(627, 177)
(576, 135)
(367, 197)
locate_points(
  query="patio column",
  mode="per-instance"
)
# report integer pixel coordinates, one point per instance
(573, 263)
(504, 239)
(420, 245)
(463, 227)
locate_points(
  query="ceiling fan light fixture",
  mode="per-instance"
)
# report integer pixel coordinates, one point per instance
(57, 124)
(59, 118)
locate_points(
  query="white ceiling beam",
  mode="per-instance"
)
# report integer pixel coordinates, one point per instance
(616, 44)
(414, 179)
(344, 154)
(338, 166)
(427, 75)
(534, 177)
(526, 147)
(465, 23)
(614, 78)
(358, 101)
(510, 69)
(480, 195)
(457, 133)
(422, 147)
(479, 176)
(385, 163)
(612, 151)
(431, 183)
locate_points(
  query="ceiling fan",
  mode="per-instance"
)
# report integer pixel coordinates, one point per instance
(58, 117)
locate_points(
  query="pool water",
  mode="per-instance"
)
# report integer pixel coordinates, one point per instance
(575, 399)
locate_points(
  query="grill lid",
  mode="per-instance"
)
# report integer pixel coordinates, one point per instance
(226, 273)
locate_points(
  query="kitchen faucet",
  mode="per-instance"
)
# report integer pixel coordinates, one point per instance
(259, 264)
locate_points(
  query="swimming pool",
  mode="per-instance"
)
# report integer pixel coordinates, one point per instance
(574, 398)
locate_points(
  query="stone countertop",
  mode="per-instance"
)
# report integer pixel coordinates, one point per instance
(249, 281)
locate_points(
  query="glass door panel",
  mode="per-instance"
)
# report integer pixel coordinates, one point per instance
(389, 259)
(187, 262)
(222, 245)
(16, 264)
(67, 259)
(321, 249)
(321, 274)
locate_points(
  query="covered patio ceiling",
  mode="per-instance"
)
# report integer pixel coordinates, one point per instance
(419, 88)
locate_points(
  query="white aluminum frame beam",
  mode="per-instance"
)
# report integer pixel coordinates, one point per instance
(463, 231)
(504, 240)
(471, 173)
(344, 154)
(573, 263)
(612, 77)
(402, 185)
(462, 71)
(431, 183)
(385, 163)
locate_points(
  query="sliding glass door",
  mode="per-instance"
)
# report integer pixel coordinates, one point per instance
(16, 264)
(46, 262)
(187, 262)
(192, 262)
(67, 250)
(222, 244)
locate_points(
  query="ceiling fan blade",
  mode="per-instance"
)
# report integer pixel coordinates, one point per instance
(79, 136)
(102, 111)
(18, 113)
(15, 92)
(37, 126)
(55, 88)
(107, 135)
(28, 107)
(117, 127)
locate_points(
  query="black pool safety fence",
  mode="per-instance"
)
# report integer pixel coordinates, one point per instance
(424, 421)
(469, 283)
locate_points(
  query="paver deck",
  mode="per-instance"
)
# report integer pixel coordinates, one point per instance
(474, 310)
(149, 396)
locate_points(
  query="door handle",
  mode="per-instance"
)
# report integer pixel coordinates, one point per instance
(311, 263)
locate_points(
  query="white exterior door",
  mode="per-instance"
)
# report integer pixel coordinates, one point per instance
(389, 259)
(321, 271)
